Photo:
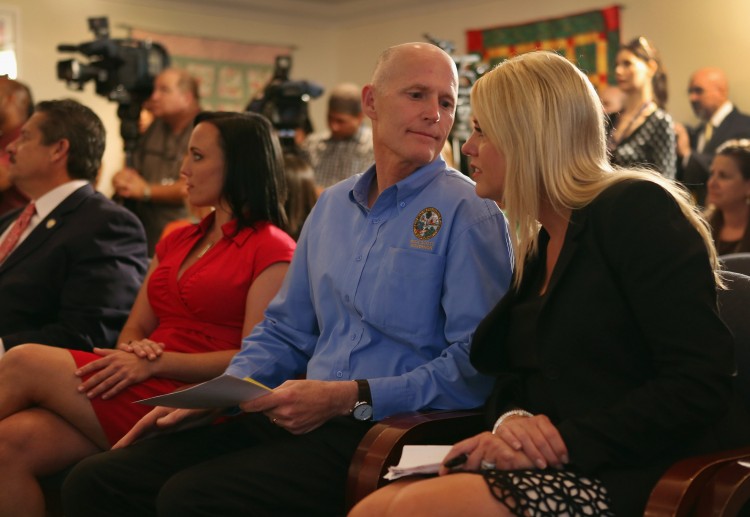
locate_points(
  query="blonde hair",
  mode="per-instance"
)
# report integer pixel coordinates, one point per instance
(546, 117)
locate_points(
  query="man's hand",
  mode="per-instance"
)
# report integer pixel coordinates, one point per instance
(300, 406)
(115, 371)
(129, 184)
(683, 140)
(164, 418)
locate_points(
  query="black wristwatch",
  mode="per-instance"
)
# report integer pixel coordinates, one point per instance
(362, 409)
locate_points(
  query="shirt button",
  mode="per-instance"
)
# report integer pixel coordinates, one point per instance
(339, 374)
(346, 298)
(402, 204)
(375, 221)
(359, 257)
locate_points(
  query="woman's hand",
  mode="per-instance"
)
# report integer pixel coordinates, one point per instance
(143, 348)
(115, 371)
(164, 418)
(521, 442)
(537, 437)
(486, 449)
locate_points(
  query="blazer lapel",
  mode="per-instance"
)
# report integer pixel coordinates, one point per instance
(578, 219)
(47, 226)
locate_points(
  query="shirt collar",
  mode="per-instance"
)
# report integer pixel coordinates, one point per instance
(228, 229)
(49, 201)
(405, 188)
(721, 113)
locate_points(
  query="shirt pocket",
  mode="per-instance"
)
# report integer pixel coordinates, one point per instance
(405, 301)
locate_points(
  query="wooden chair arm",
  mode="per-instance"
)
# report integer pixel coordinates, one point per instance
(381, 446)
(679, 490)
(728, 491)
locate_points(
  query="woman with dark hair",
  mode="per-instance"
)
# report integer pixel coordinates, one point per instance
(300, 181)
(729, 197)
(642, 133)
(609, 356)
(206, 288)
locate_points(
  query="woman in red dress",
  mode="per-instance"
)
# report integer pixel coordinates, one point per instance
(207, 286)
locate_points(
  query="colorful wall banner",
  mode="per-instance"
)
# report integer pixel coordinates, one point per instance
(589, 39)
(230, 73)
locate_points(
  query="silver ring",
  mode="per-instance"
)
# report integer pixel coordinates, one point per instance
(486, 465)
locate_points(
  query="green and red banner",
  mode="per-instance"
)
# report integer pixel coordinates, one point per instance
(589, 39)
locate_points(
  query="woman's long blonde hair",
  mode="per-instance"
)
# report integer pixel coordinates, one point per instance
(545, 116)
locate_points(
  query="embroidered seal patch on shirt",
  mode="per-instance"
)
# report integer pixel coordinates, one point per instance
(427, 224)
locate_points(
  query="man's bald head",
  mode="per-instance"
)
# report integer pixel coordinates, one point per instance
(386, 65)
(707, 91)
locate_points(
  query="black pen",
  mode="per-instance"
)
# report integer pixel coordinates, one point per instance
(456, 461)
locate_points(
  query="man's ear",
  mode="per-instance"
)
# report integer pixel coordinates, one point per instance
(60, 149)
(368, 102)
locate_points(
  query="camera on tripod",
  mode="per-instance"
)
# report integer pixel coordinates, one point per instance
(122, 69)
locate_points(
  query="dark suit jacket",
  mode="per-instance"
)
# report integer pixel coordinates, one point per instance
(695, 173)
(630, 359)
(72, 281)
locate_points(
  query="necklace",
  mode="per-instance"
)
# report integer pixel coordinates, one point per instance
(205, 249)
(613, 143)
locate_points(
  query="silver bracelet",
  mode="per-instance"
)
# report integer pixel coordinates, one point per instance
(505, 416)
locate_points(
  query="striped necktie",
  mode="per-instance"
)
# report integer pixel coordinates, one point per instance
(19, 225)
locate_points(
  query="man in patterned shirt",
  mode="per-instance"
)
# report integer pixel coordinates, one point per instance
(347, 148)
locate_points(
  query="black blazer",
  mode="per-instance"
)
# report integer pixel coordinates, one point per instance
(633, 364)
(72, 281)
(695, 173)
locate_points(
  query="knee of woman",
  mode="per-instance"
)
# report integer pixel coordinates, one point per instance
(23, 356)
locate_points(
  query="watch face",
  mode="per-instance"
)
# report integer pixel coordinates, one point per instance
(362, 411)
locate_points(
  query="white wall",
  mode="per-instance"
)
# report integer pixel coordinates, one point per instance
(689, 33)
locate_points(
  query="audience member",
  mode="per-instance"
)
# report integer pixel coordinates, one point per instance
(16, 106)
(708, 92)
(152, 188)
(208, 285)
(302, 192)
(642, 133)
(729, 197)
(598, 387)
(72, 261)
(347, 148)
(613, 99)
(392, 273)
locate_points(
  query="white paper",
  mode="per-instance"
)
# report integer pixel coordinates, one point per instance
(220, 392)
(419, 459)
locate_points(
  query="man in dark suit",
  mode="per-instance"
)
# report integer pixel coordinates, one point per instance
(720, 121)
(72, 261)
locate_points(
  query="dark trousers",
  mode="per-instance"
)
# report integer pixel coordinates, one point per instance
(246, 466)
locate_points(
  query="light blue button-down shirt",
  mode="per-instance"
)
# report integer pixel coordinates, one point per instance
(391, 293)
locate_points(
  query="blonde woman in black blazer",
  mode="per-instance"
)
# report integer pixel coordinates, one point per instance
(610, 357)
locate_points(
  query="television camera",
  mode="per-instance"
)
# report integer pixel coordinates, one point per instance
(284, 102)
(123, 71)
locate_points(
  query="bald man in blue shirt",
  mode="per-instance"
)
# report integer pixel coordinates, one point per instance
(394, 269)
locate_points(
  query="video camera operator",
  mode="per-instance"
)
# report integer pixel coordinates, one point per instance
(152, 187)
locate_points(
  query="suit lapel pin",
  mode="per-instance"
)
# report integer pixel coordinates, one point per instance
(51, 223)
